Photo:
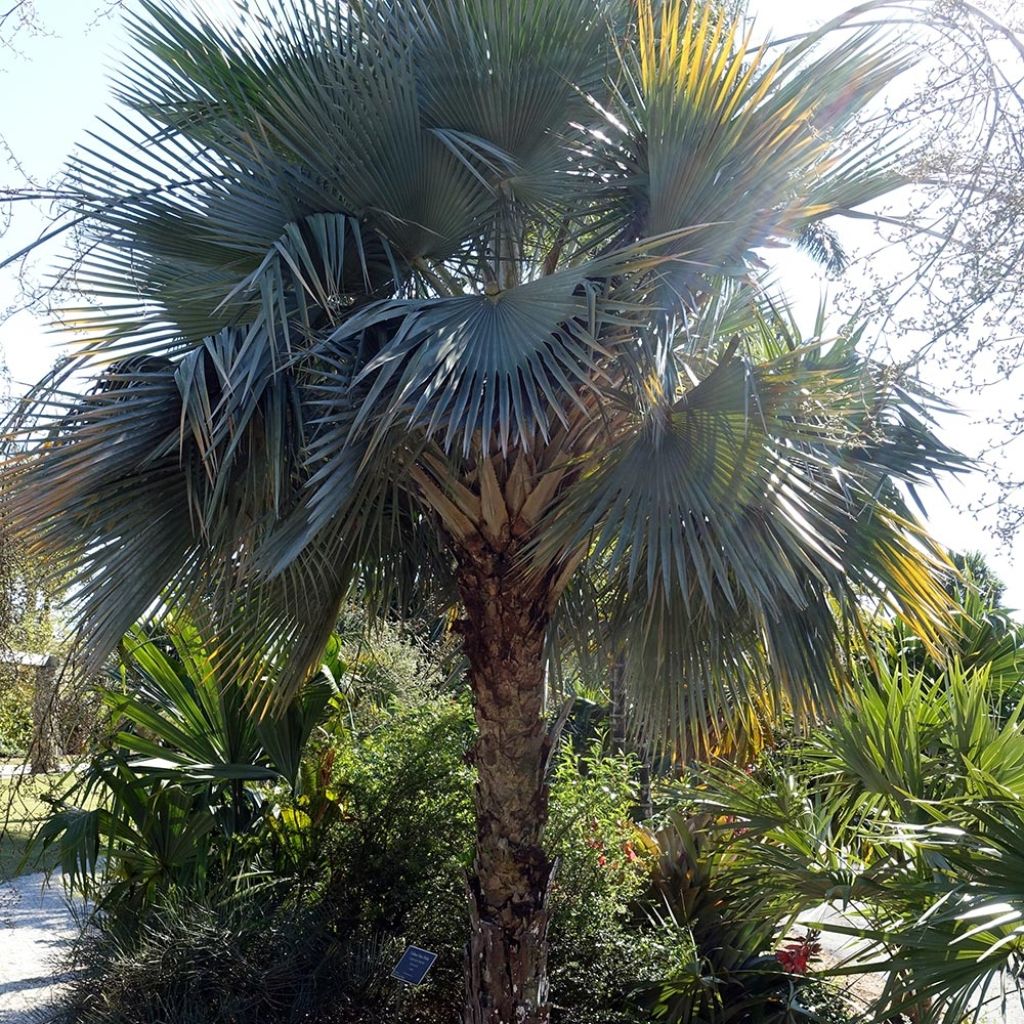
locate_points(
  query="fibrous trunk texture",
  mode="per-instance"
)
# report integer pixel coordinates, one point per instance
(503, 636)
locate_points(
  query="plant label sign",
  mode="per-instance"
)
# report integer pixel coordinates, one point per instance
(413, 966)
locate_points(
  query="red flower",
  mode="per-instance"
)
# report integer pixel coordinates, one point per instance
(602, 860)
(629, 852)
(796, 957)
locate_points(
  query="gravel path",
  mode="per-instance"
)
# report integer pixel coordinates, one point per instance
(862, 989)
(36, 926)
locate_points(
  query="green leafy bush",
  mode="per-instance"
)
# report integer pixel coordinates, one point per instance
(395, 860)
(604, 943)
(384, 866)
(398, 854)
(15, 712)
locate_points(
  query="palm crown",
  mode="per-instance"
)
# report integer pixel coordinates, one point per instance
(413, 296)
(375, 262)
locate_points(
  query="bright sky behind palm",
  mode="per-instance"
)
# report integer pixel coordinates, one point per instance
(55, 85)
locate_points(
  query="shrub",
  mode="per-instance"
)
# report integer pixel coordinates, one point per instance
(715, 880)
(603, 942)
(15, 711)
(395, 861)
(387, 868)
(382, 867)
(909, 806)
(257, 957)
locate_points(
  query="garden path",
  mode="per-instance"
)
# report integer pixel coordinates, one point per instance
(36, 927)
(863, 989)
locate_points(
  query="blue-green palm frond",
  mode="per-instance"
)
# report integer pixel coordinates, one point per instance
(760, 504)
(707, 129)
(374, 279)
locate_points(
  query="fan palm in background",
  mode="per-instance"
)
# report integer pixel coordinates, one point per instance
(455, 303)
(904, 814)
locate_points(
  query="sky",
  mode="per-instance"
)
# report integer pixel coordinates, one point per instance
(55, 86)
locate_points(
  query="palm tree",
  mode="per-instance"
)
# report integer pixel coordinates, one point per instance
(456, 301)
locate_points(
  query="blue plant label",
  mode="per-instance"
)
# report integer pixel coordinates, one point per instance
(413, 966)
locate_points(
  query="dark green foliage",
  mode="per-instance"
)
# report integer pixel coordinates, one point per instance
(740, 918)
(906, 806)
(907, 811)
(256, 957)
(371, 856)
(15, 712)
(391, 663)
(984, 636)
(977, 576)
(825, 1005)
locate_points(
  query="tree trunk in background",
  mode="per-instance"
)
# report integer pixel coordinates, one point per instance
(646, 807)
(617, 691)
(43, 750)
(620, 737)
(503, 637)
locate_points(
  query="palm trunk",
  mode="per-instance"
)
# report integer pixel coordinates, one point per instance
(503, 637)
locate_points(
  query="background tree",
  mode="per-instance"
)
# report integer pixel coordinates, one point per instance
(31, 640)
(452, 301)
(936, 266)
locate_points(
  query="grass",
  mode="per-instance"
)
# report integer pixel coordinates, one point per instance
(21, 809)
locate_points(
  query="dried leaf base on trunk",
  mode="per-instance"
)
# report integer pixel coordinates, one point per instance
(503, 636)
(506, 968)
